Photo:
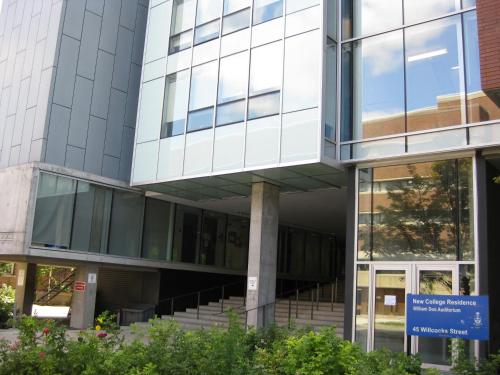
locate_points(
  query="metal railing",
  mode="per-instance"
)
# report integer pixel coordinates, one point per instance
(56, 289)
(313, 293)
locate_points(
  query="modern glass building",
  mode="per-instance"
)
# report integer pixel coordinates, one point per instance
(284, 145)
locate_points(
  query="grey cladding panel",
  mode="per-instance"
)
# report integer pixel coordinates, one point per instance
(58, 135)
(110, 21)
(95, 145)
(75, 157)
(128, 13)
(73, 19)
(115, 123)
(110, 166)
(102, 84)
(66, 71)
(96, 6)
(122, 59)
(89, 45)
(80, 112)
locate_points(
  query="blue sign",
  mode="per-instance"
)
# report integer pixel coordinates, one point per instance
(463, 317)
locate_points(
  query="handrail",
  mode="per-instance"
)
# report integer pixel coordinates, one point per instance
(58, 287)
(200, 291)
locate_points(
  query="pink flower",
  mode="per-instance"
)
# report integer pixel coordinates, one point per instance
(102, 335)
(46, 331)
(41, 355)
(15, 345)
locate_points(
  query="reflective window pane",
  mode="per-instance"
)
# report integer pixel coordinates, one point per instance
(237, 236)
(410, 212)
(180, 42)
(236, 21)
(213, 240)
(375, 99)
(231, 113)
(200, 119)
(480, 107)
(156, 227)
(331, 90)
(91, 218)
(362, 295)
(203, 86)
(468, 3)
(364, 17)
(186, 234)
(433, 75)
(175, 104)
(295, 5)
(231, 6)
(208, 10)
(264, 105)
(206, 32)
(233, 78)
(301, 77)
(420, 10)
(182, 16)
(266, 66)
(126, 224)
(265, 10)
(54, 211)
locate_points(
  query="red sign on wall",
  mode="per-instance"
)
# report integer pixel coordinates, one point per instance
(80, 286)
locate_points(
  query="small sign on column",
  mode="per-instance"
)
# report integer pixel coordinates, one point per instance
(252, 283)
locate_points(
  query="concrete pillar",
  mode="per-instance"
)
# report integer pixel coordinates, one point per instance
(262, 255)
(25, 287)
(84, 296)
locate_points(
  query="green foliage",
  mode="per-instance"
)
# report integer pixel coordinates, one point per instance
(6, 305)
(107, 321)
(463, 365)
(163, 348)
(496, 180)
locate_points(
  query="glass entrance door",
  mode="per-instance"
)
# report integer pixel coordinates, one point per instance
(437, 280)
(388, 306)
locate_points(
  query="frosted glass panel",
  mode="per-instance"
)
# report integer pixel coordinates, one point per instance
(208, 10)
(266, 68)
(267, 32)
(146, 161)
(233, 78)
(299, 137)
(231, 6)
(385, 147)
(301, 82)
(203, 86)
(302, 21)
(235, 42)
(198, 158)
(183, 12)
(262, 141)
(484, 134)
(156, 43)
(437, 141)
(206, 52)
(295, 5)
(154, 70)
(171, 157)
(178, 61)
(229, 145)
(150, 111)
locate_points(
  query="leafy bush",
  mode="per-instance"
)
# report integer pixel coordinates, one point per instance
(6, 305)
(164, 348)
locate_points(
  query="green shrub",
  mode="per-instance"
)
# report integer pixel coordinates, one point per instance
(6, 305)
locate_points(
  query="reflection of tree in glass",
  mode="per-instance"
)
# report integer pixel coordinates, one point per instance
(422, 212)
(435, 283)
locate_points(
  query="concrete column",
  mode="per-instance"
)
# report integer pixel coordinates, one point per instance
(25, 287)
(84, 296)
(262, 255)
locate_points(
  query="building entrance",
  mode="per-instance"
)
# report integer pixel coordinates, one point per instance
(381, 307)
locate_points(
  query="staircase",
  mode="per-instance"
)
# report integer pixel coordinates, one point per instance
(302, 313)
(63, 284)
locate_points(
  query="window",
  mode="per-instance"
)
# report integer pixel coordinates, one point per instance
(418, 10)
(429, 216)
(266, 10)
(202, 96)
(236, 21)
(207, 32)
(183, 12)
(208, 10)
(233, 85)
(266, 68)
(156, 225)
(373, 89)
(331, 89)
(175, 104)
(433, 70)
(126, 224)
(264, 105)
(91, 218)
(54, 211)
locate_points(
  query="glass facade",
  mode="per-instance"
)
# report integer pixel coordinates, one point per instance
(410, 66)
(421, 211)
(82, 216)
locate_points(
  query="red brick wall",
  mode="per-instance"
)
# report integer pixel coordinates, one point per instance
(488, 19)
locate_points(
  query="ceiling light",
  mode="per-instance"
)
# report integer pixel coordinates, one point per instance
(428, 55)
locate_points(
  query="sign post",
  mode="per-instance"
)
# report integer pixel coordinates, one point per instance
(462, 317)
